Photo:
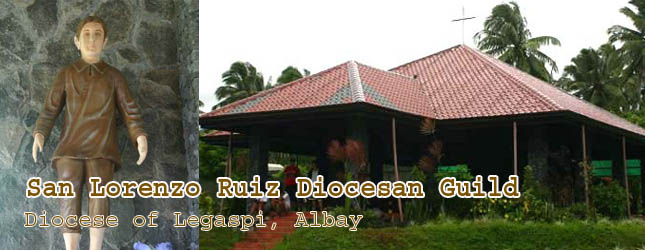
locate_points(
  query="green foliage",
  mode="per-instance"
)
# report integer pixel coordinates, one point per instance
(212, 160)
(636, 117)
(291, 74)
(456, 206)
(532, 187)
(370, 218)
(422, 209)
(240, 81)
(212, 164)
(506, 36)
(509, 209)
(631, 52)
(474, 235)
(206, 204)
(635, 191)
(460, 174)
(418, 210)
(609, 199)
(533, 205)
(597, 76)
(219, 238)
(348, 201)
(278, 176)
(581, 212)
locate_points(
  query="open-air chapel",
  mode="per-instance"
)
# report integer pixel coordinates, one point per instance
(489, 117)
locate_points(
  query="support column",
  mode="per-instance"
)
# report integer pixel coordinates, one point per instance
(396, 165)
(538, 152)
(515, 148)
(585, 159)
(626, 177)
(258, 162)
(358, 131)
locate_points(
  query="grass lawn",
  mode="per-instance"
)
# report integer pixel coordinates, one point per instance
(218, 238)
(497, 234)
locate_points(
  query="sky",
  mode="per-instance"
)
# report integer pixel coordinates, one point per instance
(273, 35)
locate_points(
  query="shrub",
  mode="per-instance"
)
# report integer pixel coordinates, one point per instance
(206, 204)
(456, 206)
(635, 192)
(533, 205)
(532, 186)
(419, 210)
(509, 209)
(580, 211)
(609, 199)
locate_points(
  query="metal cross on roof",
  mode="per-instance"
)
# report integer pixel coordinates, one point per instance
(462, 19)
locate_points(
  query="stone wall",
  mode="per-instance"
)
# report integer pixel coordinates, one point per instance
(188, 44)
(149, 41)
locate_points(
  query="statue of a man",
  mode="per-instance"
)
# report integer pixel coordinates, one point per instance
(91, 91)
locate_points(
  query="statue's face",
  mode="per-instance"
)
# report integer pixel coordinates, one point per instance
(91, 41)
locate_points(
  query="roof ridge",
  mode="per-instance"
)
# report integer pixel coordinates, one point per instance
(271, 90)
(488, 59)
(426, 57)
(355, 82)
(386, 71)
(424, 90)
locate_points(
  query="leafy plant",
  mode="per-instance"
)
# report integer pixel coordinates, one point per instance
(533, 205)
(351, 152)
(456, 206)
(212, 160)
(609, 199)
(206, 204)
(420, 210)
(532, 186)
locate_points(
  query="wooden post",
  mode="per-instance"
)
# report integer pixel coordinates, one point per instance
(396, 165)
(515, 148)
(584, 166)
(629, 213)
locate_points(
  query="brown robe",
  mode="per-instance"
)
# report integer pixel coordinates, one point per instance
(90, 94)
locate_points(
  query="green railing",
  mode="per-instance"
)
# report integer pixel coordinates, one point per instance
(455, 168)
(603, 168)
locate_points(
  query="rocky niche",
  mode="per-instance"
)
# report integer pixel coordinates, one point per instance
(154, 44)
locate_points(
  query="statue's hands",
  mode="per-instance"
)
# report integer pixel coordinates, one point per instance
(39, 139)
(142, 146)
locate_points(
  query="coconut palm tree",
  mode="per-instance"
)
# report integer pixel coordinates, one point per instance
(291, 74)
(241, 80)
(632, 52)
(506, 36)
(597, 76)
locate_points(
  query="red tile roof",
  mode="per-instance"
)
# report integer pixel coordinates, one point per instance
(349, 82)
(466, 83)
(456, 83)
